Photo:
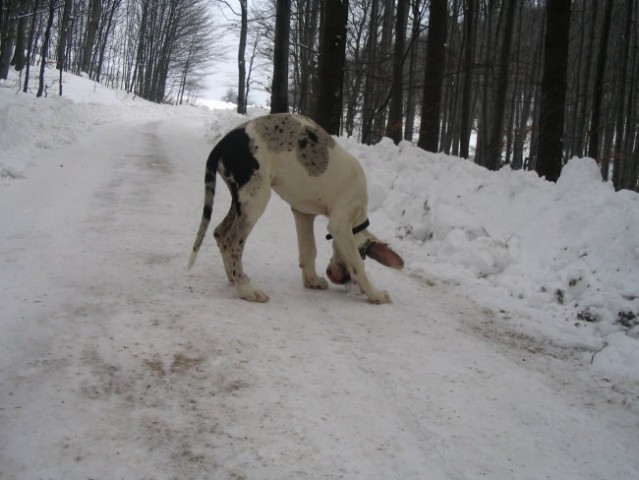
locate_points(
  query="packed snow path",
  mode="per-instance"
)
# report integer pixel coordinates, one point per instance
(117, 363)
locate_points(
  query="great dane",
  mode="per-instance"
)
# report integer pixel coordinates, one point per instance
(306, 167)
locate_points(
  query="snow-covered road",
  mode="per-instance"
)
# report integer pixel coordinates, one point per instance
(118, 364)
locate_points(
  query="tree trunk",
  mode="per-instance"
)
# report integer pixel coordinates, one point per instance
(241, 59)
(491, 152)
(139, 73)
(620, 155)
(384, 80)
(354, 76)
(593, 144)
(331, 64)
(8, 31)
(18, 60)
(94, 14)
(279, 90)
(630, 174)
(522, 129)
(45, 47)
(583, 94)
(370, 84)
(412, 69)
(250, 68)
(396, 110)
(64, 35)
(434, 75)
(305, 54)
(470, 22)
(553, 89)
(105, 37)
(487, 45)
(30, 46)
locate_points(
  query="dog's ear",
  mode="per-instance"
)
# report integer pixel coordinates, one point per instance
(381, 253)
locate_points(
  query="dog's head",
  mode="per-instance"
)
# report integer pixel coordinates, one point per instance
(368, 246)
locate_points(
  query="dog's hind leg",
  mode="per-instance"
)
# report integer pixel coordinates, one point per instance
(248, 206)
(307, 251)
(222, 236)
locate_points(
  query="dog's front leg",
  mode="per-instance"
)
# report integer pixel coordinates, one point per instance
(307, 250)
(344, 243)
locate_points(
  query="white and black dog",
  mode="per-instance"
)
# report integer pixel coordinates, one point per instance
(300, 161)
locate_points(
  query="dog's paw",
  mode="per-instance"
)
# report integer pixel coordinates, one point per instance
(251, 294)
(257, 296)
(380, 297)
(316, 283)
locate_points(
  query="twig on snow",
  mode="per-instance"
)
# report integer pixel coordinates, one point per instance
(592, 359)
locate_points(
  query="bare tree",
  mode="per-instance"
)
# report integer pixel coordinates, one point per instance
(8, 30)
(279, 91)
(105, 30)
(331, 64)
(396, 110)
(372, 61)
(63, 35)
(19, 59)
(595, 133)
(376, 63)
(490, 150)
(241, 60)
(553, 89)
(93, 20)
(45, 46)
(412, 89)
(30, 45)
(466, 120)
(305, 19)
(434, 76)
(622, 158)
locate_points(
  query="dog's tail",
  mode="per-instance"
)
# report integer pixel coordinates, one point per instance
(209, 193)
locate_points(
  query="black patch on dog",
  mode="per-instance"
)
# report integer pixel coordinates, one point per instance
(238, 165)
(311, 135)
(237, 159)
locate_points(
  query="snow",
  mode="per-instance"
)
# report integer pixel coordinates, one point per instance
(510, 351)
(566, 255)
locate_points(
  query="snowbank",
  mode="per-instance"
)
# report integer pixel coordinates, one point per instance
(567, 254)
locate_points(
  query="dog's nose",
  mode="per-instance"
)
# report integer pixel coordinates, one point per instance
(338, 274)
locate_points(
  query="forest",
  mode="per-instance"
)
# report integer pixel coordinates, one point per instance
(526, 84)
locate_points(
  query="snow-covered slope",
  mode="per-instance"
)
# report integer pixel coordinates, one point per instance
(504, 355)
